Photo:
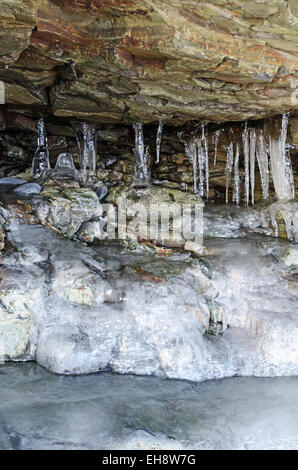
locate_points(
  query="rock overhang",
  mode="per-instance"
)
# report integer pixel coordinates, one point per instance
(131, 60)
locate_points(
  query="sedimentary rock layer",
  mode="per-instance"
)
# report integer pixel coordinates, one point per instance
(128, 60)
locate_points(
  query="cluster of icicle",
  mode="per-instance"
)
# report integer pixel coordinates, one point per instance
(142, 156)
(65, 165)
(274, 156)
(254, 148)
(41, 161)
(196, 149)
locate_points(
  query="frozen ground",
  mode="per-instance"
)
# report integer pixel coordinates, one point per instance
(39, 410)
(77, 309)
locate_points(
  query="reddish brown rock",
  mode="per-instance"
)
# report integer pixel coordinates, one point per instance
(128, 60)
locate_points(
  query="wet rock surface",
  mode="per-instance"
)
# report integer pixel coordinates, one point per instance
(149, 313)
(106, 411)
(276, 219)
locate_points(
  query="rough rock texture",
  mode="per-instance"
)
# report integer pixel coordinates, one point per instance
(128, 60)
(66, 207)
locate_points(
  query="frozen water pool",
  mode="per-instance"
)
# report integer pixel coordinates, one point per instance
(39, 410)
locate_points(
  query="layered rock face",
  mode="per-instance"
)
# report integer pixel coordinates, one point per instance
(132, 60)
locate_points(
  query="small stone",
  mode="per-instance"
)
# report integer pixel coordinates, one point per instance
(12, 181)
(28, 189)
(194, 247)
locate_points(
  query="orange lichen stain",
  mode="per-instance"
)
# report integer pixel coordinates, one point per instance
(147, 276)
(123, 56)
(149, 62)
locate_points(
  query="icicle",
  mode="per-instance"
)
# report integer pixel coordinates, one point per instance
(289, 229)
(42, 137)
(236, 192)
(41, 162)
(252, 157)
(88, 161)
(196, 149)
(158, 140)
(262, 157)
(274, 225)
(215, 140)
(285, 153)
(206, 158)
(201, 162)
(281, 166)
(191, 153)
(142, 163)
(74, 70)
(65, 167)
(245, 142)
(229, 167)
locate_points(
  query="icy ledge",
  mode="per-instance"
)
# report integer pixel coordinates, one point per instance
(78, 309)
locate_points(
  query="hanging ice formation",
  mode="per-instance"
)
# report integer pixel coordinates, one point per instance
(255, 148)
(215, 140)
(191, 151)
(229, 167)
(88, 158)
(206, 157)
(252, 161)
(74, 70)
(41, 162)
(142, 157)
(263, 163)
(65, 167)
(196, 149)
(236, 191)
(158, 140)
(281, 166)
(245, 143)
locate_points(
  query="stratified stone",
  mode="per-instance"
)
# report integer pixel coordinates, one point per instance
(169, 60)
(67, 206)
(17, 22)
